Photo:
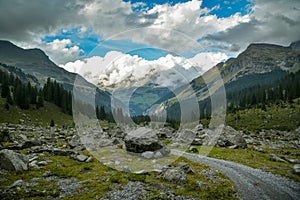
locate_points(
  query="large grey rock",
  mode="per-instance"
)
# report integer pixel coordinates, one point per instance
(13, 161)
(230, 137)
(141, 140)
(185, 136)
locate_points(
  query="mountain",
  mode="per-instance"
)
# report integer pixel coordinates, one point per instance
(260, 65)
(38, 64)
(35, 63)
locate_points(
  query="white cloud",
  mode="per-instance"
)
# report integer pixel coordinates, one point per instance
(116, 69)
(207, 60)
(62, 50)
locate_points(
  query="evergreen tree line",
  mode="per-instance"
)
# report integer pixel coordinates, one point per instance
(285, 89)
(24, 95)
(18, 93)
(55, 93)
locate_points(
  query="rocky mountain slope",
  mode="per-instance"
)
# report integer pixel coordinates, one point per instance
(38, 67)
(259, 65)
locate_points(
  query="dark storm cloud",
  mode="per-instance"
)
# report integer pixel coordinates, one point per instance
(20, 20)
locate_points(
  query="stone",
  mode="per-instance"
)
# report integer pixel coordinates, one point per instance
(81, 158)
(158, 154)
(31, 143)
(229, 137)
(186, 168)
(297, 168)
(275, 158)
(126, 169)
(175, 175)
(13, 161)
(185, 136)
(193, 149)
(90, 158)
(148, 154)
(42, 163)
(197, 141)
(258, 149)
(142, 140)
(142, 172)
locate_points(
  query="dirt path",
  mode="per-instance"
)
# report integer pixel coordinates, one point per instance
(251, 183)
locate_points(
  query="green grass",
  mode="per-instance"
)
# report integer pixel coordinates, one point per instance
(97, 179)
(284, 116)
(31, 116)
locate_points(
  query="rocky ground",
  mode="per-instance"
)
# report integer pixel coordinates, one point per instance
(33, 157)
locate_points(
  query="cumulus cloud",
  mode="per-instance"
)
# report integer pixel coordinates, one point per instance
(275, 21)
(116, 69)
(207, 60)
(62, 50)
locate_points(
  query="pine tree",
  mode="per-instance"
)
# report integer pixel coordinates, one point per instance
(5, 89)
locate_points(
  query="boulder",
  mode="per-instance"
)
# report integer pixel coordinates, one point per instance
(142, 140)
(13, 161)
(230, 137)
(185, 136)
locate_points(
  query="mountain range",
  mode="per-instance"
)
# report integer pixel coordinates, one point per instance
(259, 65)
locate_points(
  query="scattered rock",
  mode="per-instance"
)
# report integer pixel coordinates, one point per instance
(42, 163)
(81, 158)
(175, 175)
(31, 143)
(193, 149)
(197, 141)
(297, 168)
(126, 169)
(258, 149)
(90, 158)
(13, 161)
(148, 154)
(210, 174)
(142, 172)
(186, 168)
(275, 158)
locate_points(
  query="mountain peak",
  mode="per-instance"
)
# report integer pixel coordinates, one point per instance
(264, 46)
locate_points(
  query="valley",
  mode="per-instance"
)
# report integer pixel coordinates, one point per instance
(72, 140)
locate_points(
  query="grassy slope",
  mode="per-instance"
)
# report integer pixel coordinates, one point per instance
(31, 116)
(284, 116)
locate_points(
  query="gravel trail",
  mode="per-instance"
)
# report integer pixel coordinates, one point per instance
(250, 183)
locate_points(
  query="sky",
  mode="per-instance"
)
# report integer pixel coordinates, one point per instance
(204, 32)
